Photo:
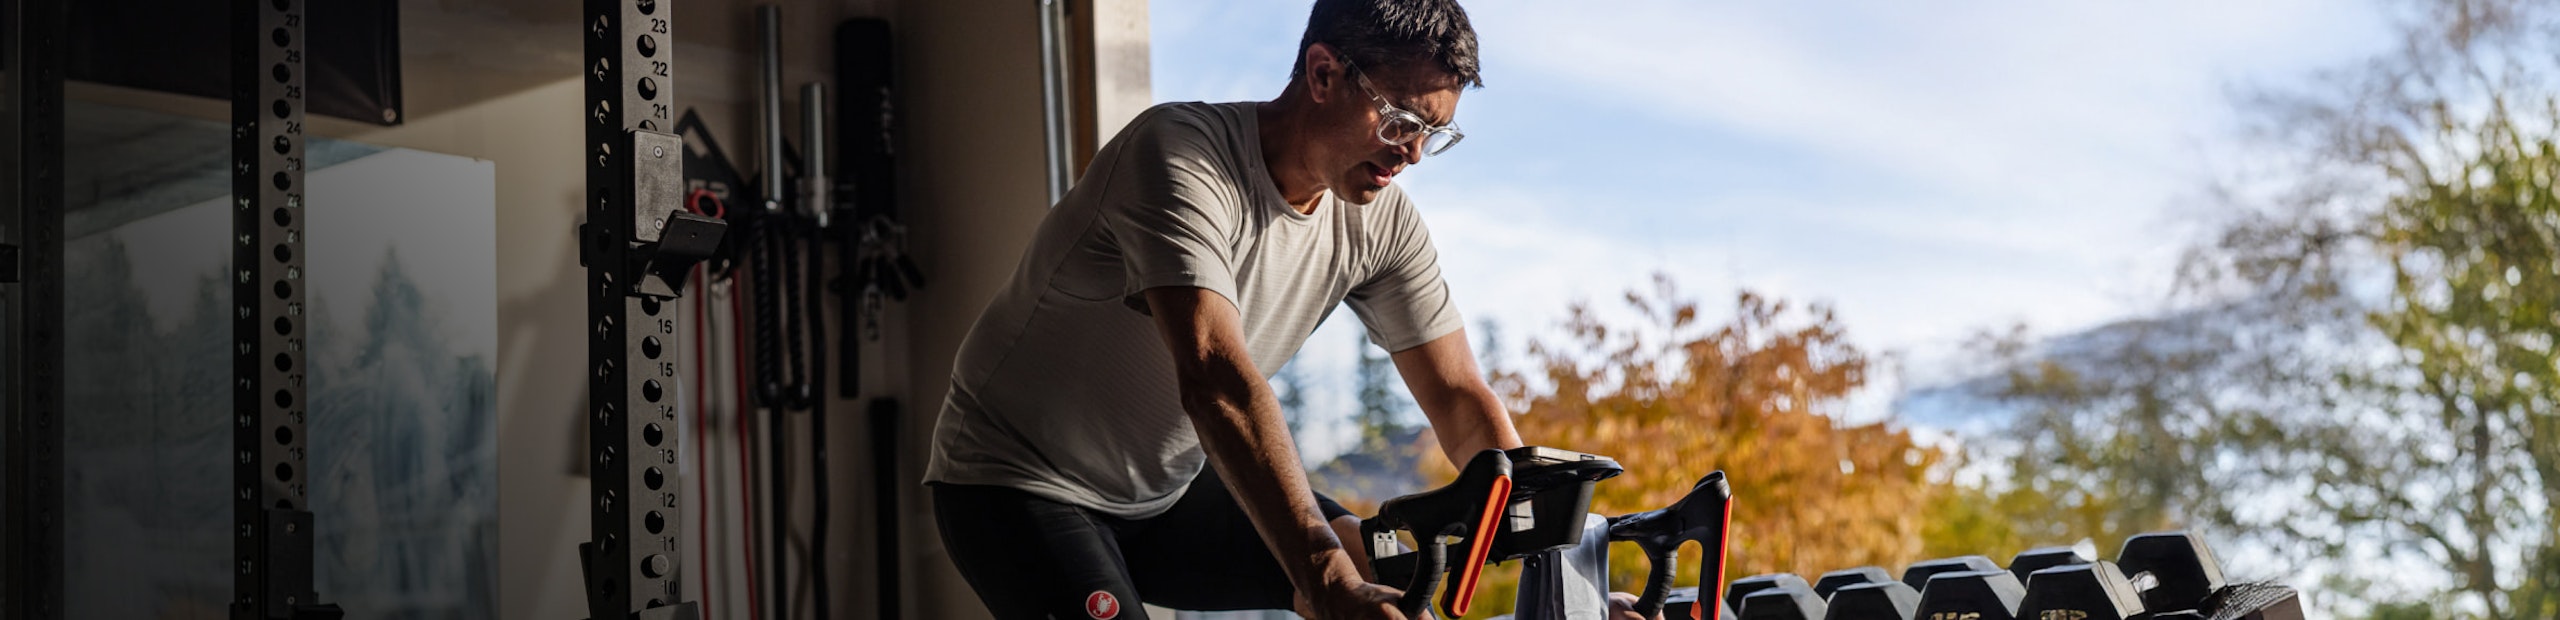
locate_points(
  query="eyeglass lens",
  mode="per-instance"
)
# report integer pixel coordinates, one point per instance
(1400, 129)
(1435, 142)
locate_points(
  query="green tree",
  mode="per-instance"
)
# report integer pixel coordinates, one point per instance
(1290, 386)
(1384, 403)
(2359, 365)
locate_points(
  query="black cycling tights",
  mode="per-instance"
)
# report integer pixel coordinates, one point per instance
(1031, 558)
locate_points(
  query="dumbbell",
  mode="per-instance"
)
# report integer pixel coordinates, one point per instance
(2169, 575)
(2032, 560)
(1917, 575)
(1682, 604)
(1745, 586)
(1793, 601)
(1883, 599)
(1970, 595)
(2093, 591)
(1835, 580)
(2186, 570)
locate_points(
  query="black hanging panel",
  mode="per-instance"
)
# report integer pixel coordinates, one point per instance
(182, 47)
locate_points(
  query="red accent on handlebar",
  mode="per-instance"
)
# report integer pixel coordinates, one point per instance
(1461, 595)
(1715, 593)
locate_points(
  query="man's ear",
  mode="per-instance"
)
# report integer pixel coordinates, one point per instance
(1325, 71)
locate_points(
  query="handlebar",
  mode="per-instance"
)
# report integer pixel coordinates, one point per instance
(1467, 508)
(1704, 515)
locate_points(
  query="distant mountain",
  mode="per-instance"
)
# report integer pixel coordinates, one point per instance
(1374, 471)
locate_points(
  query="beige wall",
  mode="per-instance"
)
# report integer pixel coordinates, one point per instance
(498, 80)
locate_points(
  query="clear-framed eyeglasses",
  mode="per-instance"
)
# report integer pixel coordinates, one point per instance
(1397, 126)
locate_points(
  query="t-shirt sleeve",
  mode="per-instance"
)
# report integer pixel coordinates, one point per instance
(1403, 302)
(1165, 212)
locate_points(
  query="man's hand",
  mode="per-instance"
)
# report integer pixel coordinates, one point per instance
(1622, 606)
(1349, 600)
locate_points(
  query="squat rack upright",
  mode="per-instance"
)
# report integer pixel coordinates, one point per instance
(637, 245)
(31, 294)
(273, 536)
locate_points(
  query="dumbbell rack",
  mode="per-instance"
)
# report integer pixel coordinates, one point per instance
(272, 537)
(637, 245)
(31, 294)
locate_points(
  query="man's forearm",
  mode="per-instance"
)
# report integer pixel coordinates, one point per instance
(1476, 423)
(1241, 429)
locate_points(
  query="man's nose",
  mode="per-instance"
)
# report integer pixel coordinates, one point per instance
(1410, 151)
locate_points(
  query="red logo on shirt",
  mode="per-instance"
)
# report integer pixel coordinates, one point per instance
(1101, 605)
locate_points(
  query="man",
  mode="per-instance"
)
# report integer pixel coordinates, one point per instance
(1110, 438)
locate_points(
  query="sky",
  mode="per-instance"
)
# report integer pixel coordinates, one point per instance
(1928, 169)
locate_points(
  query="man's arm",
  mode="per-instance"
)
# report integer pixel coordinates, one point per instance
(1464, 412)
(1241, 429)
(1467, 416)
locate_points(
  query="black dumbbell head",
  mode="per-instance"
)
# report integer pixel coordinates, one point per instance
(2032, 560)
(2186, 569)
(1917, 575)
(2093, 591)
(1743, 587)
(1875, 600)
(2255, 601)
(1682, 604)
(1832, 581)
(1972, 595)
(1786, 602)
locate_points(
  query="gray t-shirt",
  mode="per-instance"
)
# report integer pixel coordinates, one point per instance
(1065, 388)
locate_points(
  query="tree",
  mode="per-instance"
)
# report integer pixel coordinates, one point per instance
(1383, 400)
(1673, 398)
(2361, 367)
(1290, 386)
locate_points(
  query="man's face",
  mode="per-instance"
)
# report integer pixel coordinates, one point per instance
(1361, 164)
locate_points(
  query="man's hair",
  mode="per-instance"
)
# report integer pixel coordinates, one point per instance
(1375, 34)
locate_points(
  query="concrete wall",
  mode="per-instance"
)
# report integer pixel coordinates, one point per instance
(498, 80)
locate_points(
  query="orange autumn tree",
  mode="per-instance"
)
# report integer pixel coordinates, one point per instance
(1760, 397)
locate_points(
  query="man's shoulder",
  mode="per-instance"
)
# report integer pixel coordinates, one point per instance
(1189, 122)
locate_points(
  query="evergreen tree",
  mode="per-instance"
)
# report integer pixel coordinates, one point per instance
(1290, 386)
(1383, 399)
